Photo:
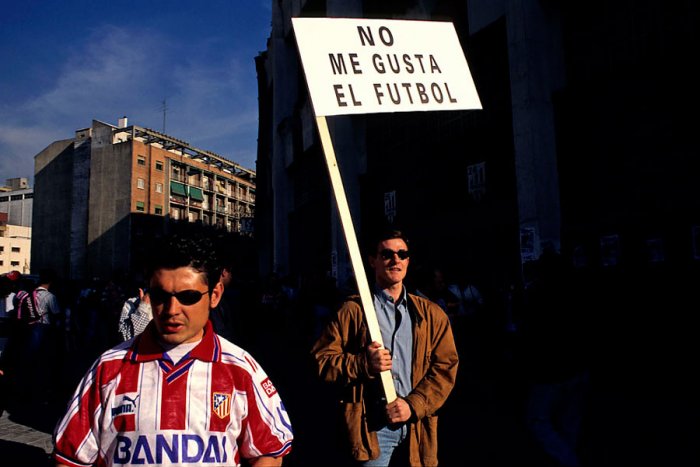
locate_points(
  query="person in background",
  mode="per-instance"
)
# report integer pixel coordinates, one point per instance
(471, 301)
(418, 349)
(9, 284)
(554, 336)
(435, 288)
(135, 316)
(40, 358)
(177, 393)
(10, 352)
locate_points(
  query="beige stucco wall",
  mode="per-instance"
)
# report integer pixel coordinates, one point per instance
(18, 238)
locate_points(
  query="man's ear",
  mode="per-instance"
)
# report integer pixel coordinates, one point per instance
(216, 294)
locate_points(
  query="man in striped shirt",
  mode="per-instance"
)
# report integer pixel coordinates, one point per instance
(177, 394)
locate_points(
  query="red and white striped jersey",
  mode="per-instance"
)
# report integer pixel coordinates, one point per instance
(134, 406)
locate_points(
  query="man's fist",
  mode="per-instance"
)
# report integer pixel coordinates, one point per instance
(378, 357)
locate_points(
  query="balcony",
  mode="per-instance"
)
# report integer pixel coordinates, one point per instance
(178, 200)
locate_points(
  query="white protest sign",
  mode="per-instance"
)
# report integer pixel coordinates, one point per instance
(358, 66)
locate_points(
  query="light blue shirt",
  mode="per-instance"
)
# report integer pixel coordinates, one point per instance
(397, 336)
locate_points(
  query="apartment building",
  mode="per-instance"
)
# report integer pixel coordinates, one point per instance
(171, 178)
(16, 199)
(103, 194)
(15, 246)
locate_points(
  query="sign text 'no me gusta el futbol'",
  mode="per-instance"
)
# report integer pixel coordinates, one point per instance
(358, 66)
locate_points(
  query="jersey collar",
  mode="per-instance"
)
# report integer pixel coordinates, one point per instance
(146, 348)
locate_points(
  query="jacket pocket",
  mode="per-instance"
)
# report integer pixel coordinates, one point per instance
(363, 444)
(428, 439)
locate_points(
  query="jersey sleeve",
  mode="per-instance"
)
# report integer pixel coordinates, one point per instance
(266, 430)
(74, 437)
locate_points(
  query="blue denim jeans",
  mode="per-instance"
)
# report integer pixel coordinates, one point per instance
(390, 437)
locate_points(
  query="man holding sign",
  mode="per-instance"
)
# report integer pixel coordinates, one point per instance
(385, 343)
(419, 350)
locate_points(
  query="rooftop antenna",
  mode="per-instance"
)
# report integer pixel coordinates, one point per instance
(165, 110)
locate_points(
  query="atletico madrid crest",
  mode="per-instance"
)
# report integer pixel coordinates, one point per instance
(221, 404)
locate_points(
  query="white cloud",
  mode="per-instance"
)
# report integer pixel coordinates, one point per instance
(210, 94)
(212, 105)
(16, 141)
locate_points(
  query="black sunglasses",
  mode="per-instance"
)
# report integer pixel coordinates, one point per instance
(185, 297)
(387, 254)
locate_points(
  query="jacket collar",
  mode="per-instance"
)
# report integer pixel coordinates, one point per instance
(418, 312)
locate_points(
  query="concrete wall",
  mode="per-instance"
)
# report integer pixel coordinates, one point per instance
(108, 233)
(536, 73)
(53, 181)
(285, 74)
(20, 210)
(80, 195)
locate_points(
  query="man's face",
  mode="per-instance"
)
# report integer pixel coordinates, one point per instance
(391, 271)
(176, 322)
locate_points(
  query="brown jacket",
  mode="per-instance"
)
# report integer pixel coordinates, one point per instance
(341, 358)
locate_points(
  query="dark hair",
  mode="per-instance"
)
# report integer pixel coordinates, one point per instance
(183, 250)
(47, 276)
(227, 250)
(378, 236)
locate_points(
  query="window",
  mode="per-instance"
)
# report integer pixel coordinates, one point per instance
(159, 166)
(15, 249)
(159, 188)
(14, 263)
(140, 183)
(16, 197)
(4, 198)
(2, 263)
(28, 195)
(2, 249)
(140, 206)
(140, 160)
(158, 210)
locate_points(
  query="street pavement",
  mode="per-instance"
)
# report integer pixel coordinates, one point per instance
(23, 442)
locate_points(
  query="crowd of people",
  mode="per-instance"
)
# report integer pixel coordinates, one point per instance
(70, 336)
(70, 328)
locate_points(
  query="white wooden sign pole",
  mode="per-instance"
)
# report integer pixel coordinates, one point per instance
(353, 248)
(358, 66)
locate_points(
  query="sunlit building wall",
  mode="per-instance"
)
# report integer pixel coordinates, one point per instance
(100, 195)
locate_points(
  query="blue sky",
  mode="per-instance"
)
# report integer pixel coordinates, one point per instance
(68, 62)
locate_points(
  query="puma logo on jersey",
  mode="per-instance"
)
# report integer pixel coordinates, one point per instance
(127, 406)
